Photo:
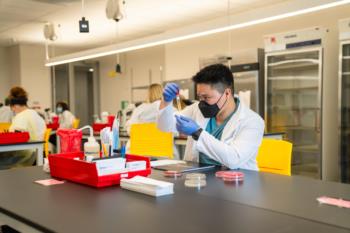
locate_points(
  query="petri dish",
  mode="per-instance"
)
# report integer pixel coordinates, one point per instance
(219, 174)
(194, 183)
(195, 180)
(231, 176)
(196, 176)
(173, 174)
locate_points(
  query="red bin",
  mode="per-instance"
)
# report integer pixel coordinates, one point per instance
(70, 140)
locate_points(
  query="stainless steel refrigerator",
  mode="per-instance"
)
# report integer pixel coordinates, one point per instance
(249, 77)
(293, 95)
(344, 99)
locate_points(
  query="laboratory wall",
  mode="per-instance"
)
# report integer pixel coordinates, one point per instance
(4, 73)
(139, 69)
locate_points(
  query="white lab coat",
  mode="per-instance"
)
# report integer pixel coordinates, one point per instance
(144, 113)
(6, 114)
(239, 143)
(66, 120)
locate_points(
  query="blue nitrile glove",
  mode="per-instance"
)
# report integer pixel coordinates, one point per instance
(170, 91)
(186, 125)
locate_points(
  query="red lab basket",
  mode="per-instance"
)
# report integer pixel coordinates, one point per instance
(64, 166)
(14, 137)
(97, 127)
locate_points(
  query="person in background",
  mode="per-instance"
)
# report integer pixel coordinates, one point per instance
(25, 120)
(182, 103)
(6, 113)
(221, 129)
(37, 107)
(146, 112)
(66, 118)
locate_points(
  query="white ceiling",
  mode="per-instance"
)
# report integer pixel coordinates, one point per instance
(22, 21)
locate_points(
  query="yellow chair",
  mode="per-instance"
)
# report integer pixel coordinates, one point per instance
(147, 140)
(76, 123)
(4, 126)
(46, 144)
(275, 156)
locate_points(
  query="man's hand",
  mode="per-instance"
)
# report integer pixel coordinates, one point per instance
(170, 91)
(186, 125)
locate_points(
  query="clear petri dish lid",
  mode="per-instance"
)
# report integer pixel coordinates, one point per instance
(196, 176)
(174, 174)
(193, 183)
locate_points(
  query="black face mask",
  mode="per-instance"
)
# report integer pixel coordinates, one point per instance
(209, 110)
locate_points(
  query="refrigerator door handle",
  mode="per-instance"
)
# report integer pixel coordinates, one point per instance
(313, 61)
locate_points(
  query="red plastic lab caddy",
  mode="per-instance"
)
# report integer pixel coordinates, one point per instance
(64, 166)
(12, 138)
(97, 127)
(54, 124)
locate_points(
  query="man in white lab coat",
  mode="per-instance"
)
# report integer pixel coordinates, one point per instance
(221, 129)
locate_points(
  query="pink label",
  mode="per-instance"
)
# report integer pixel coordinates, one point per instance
(49, 182)
(334, 201)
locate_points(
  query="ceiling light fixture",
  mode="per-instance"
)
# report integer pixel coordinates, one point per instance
(170, 36)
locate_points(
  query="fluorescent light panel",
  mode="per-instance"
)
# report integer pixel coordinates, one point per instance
(105, 51)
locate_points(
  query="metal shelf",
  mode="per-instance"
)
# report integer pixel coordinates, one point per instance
(298, 63)
(295, 108)
(292, 78)
(307, 148)
(295, 128)
(140, 88)
(296, 88)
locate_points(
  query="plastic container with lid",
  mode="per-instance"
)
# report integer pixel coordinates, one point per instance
(91, 147)
(173, 174)
(230, 176)
(195, 180)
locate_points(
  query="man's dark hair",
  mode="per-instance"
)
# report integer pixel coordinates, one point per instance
(64, 106)
(217, 76)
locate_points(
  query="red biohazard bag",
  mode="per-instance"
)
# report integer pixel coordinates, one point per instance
(70, 140)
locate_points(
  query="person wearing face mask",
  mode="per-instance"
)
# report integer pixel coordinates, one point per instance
(25, 120)
(221, 129)
(66, 118)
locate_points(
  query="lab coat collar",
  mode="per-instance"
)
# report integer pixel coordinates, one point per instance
(235, 120)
